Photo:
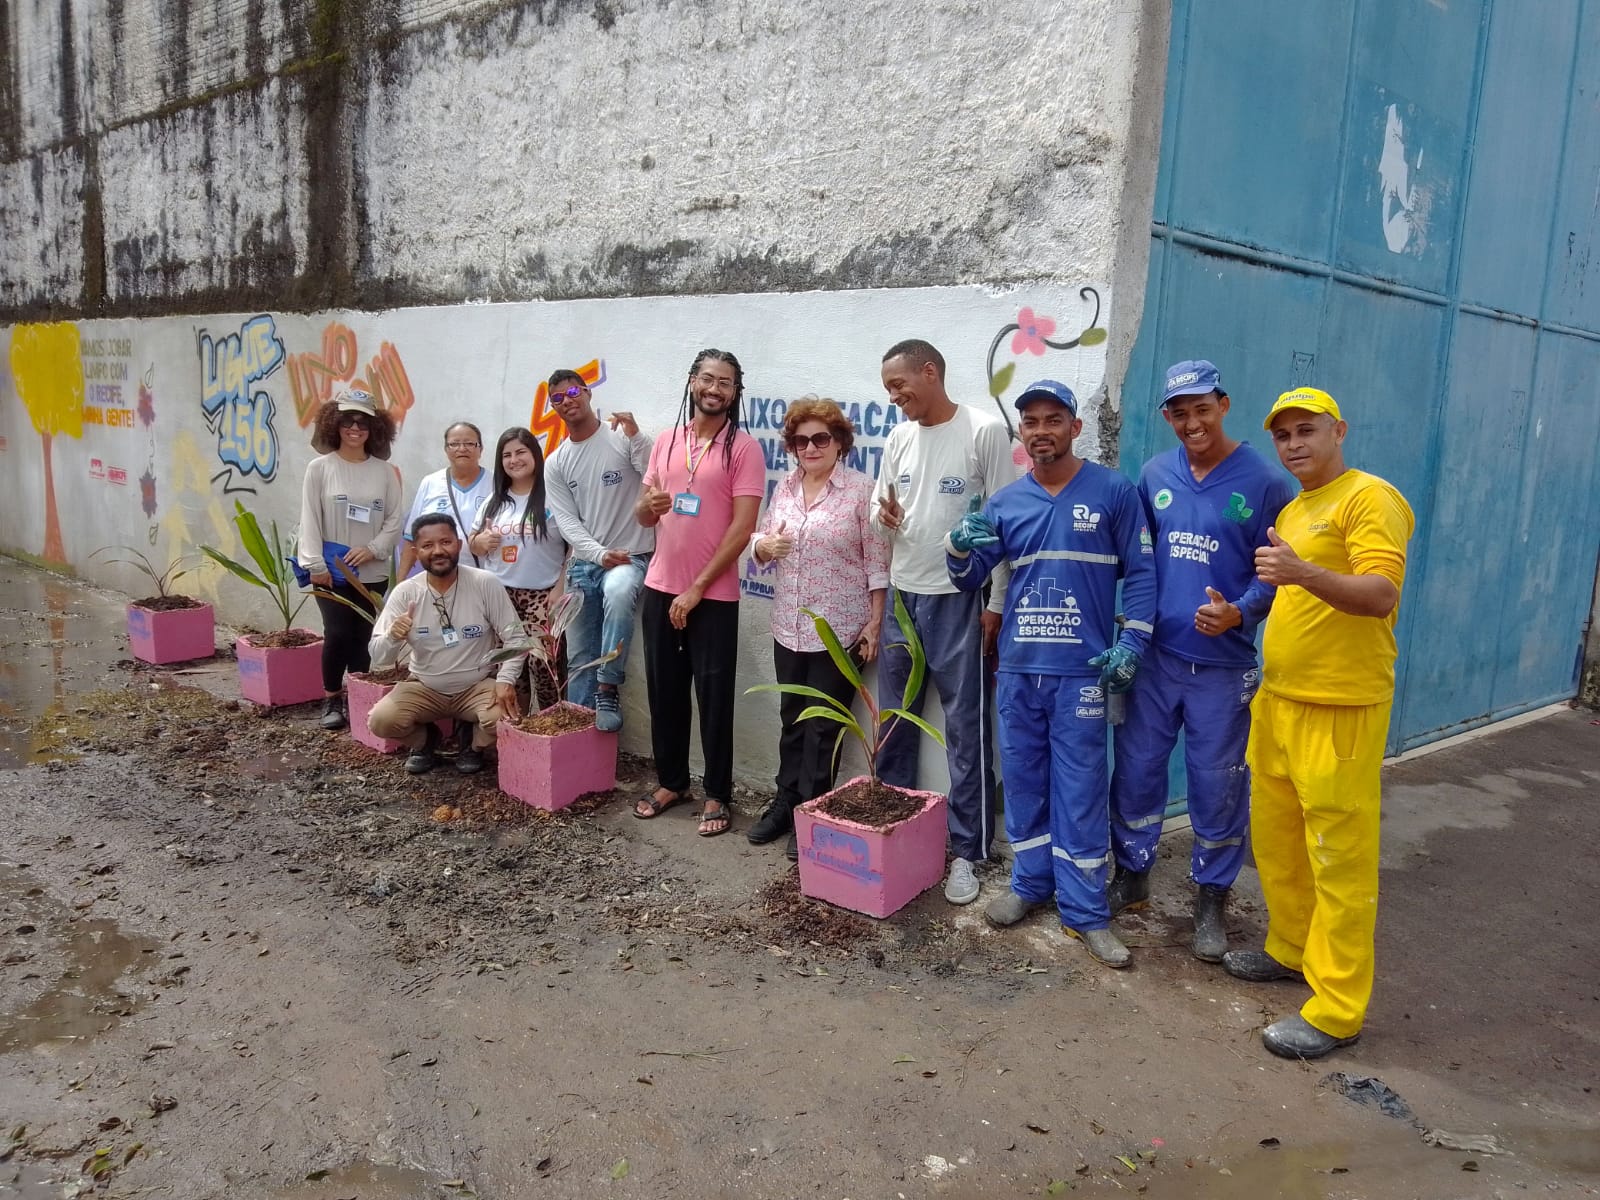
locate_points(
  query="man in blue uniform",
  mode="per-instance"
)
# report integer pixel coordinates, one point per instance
(1069, 530)
(1209, 502)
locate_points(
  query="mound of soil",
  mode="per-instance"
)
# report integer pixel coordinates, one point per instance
(558, 718)
(382, 678)
(168, 603)
(812, 921)
(283, 638)
(872, 802)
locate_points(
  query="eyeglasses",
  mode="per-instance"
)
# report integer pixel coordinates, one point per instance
(354, 420)
(570, 393)
(800, 441)
(463, 445)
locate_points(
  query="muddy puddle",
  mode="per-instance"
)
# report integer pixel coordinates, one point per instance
(64, 978)
(370, 1181)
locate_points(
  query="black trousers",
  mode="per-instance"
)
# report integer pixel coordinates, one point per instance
(704, 656)
(806, 762)
(345, 634)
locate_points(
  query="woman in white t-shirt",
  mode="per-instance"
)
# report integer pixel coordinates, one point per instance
(514, 537)
(456, 490)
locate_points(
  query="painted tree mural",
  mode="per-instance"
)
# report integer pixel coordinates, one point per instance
(47, 365)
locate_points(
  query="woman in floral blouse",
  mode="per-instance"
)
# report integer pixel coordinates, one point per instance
(832, 561)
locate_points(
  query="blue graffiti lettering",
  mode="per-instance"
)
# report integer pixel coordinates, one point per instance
(241, 418)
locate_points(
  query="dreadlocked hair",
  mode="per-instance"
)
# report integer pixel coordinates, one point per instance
(686, 408)
(533, 511)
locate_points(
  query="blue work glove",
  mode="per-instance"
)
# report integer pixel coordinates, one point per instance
(1118, 666)
(973, 530)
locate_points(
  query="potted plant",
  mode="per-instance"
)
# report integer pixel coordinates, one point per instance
(167, 627)
(551, 757)
(283, 666)
(868, 846)
(363, 690)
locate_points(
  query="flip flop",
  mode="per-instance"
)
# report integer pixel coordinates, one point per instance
(654, 808)
(705, 817)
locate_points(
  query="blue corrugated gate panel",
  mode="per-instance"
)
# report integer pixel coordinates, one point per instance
(1399, 200)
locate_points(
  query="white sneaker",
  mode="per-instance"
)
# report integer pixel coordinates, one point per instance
(961, 885)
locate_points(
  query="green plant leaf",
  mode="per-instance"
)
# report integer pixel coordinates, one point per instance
(848, 720)
(243, 572)
(1092, 336)
(1002, 380)
(903, 715)
(836, 651)
(620, 1171)
(353, 606)
(254, 543)
(800, 689)
(913, 645)
(564, 613)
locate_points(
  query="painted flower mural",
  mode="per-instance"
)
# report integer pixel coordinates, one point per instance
(1033, 333)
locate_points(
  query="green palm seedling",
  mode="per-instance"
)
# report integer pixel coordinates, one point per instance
(881, 722)
(540, 640)
(272, 572)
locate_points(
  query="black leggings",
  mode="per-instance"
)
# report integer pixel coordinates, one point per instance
(345, 634)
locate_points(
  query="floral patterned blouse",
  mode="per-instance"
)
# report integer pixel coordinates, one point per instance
(838, 559)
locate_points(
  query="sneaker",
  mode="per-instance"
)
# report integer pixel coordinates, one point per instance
(333, 713)
(607, 710)
(424, 758)
(1103, 946)
(961, 885)
(1008, 909)
(1296, 1037)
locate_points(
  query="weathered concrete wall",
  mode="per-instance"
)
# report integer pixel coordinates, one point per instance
(173, 157)
(156, 426)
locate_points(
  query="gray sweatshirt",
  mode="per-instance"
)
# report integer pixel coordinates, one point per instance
(591, 487)
(354, 504)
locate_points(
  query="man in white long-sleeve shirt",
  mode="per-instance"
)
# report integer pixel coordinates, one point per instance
(591, 481)
(940, 457)
(453, 618)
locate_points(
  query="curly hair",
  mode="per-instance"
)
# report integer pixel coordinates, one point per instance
(380, 430)
(820, 408)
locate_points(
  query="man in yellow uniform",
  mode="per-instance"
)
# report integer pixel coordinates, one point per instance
(1318, 725)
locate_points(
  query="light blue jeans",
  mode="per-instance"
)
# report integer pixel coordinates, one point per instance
(605, 621)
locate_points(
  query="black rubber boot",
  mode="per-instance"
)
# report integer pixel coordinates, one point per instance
(771, 825)
(425, 757)
(791, 848)
(333, 712)
(1129, 891)
(1210, 935)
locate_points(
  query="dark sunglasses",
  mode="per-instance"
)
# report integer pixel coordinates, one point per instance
(347, 420)
(567, 393)
(800, 441)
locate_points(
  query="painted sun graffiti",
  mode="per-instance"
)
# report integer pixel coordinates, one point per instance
(1031, 333)
(543, 422)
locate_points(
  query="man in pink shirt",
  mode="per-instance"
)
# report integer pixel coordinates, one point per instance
(702, 494)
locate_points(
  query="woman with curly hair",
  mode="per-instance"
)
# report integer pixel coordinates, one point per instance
(350, 508)
(516, 539)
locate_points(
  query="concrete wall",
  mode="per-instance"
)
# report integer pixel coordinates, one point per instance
(449, 198)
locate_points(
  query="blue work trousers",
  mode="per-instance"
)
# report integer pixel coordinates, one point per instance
(1053, 760)
(948, 628)
(610, 597)
(1212, 706)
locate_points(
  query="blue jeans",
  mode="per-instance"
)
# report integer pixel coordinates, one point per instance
(604, 622)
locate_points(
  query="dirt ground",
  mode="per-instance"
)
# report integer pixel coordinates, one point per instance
(240, 957)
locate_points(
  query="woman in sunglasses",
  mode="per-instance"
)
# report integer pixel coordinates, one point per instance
(516, 539)
(833, 561)
(350, 509)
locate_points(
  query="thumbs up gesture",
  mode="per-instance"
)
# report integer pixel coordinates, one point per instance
(1216, 615)
(1277, 563)
(973, 530)
(776, 545)
(401, 629)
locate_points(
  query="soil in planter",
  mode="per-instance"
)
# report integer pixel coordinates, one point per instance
(283, 638)
(811, 921)
(383, 678)
(168, 603)
(558, 718)
(872, 802)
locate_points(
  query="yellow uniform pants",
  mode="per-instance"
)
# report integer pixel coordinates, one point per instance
(1314, 828)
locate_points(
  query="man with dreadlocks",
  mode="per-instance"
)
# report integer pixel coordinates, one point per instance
(702, 494)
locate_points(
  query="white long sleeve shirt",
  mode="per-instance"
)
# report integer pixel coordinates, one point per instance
(479, 612)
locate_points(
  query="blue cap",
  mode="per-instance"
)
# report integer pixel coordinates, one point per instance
(1049, 389)
(1191, 377)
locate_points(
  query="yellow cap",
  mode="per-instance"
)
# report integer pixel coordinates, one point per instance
(1307, 400)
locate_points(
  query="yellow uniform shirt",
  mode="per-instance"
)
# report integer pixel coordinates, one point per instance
(1311, 652)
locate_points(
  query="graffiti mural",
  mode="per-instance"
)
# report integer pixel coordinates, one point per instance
(107, 369)
(194, 516)
(543, 422)
(237, 412)
(314, 375)
(1031, 334)
(47, 367)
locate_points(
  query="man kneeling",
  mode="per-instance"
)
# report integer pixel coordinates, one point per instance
(452, 617)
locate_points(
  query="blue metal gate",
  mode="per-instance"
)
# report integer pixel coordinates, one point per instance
(1399, 201)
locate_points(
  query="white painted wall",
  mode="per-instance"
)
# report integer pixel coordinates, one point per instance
(482, 363)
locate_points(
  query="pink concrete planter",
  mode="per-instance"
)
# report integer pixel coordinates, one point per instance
(551, 772)
(865, 868)
(172, 635)
(279, 676)
(361, 695)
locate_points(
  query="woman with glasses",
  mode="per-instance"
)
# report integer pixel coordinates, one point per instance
(457, 489)
(833, 561)
(350, 508)
(516, 539)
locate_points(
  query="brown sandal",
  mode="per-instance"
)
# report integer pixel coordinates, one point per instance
(706, 817)
(653, 808)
